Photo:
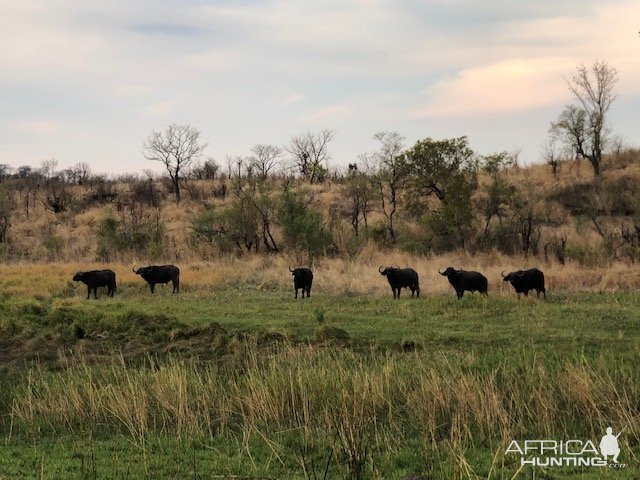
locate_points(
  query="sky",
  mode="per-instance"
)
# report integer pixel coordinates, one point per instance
(88, 81)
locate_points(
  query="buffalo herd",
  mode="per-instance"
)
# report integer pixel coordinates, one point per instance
(152, 274)
(523, 281)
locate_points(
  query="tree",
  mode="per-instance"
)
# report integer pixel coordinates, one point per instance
(583, 126)
(309, 151)
(358, 196)
(445, 169)
(435, 165)
(6, 210)
(387, 175)
(499, 191)
(176, 147)
(302, 226)
(79, 174)
(209, 170)
(265, 159)
(5, 171)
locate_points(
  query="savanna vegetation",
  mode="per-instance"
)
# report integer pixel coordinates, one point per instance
(233, 378)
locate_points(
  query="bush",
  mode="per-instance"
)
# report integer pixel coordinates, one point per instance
(136, 234)
(584, 255)
(301, 225)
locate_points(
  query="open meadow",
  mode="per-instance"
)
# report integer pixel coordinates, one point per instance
(234, 378)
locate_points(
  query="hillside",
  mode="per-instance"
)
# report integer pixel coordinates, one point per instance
(516, 211)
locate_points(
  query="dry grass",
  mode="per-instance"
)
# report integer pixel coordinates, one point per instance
(332, 276)
(74, 233)
(372, 404)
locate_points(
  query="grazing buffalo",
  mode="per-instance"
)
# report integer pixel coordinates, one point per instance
(302, 278)
(97, 278)
(462, 280)
(401, 278)
(160, 274)
(525, 280)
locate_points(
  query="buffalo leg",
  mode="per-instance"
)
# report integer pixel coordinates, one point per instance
(88, 292)
(95, 292)
(152, 286)
(296, 293)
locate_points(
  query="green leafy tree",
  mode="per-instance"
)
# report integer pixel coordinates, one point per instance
(446, 170)
(301, 225)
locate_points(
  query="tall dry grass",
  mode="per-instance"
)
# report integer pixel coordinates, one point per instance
(366, 404)
(332, 276)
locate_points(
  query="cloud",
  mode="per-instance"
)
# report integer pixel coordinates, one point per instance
(331, 113)
(509, 85)
(39, 127)
(161, 109)
(168, 29)
(293, 99)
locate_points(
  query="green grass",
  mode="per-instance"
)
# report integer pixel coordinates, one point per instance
(431, 386)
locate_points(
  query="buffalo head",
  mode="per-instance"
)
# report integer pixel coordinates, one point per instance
(512, 276)
(448, 272)
(386, 271)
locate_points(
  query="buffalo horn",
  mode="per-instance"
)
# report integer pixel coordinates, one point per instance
(290, 270)
(441, 273)
(502, 274)
(380, 269)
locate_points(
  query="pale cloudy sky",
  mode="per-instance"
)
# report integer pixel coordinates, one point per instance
(82, 80)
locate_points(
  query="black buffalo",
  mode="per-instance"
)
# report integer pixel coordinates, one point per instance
(160, 274)
(462, 280)
(302, 279)
(401, 278)
(525, 280)
(97, 278)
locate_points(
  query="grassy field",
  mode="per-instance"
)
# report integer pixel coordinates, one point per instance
(236, 378)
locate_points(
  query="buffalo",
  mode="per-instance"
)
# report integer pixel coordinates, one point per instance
(302, 279)
(462, 280)
(160, 274)
(97, 278)
(401, 278)
(525, 280)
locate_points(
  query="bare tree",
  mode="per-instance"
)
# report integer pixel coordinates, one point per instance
(177, 146)
(387, 175)
(79, 173)
(265, 159)
(48, 168)
(551, 156)
(584, 125)
(309, 151)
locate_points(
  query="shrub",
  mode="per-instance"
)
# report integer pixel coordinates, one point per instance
(301, 225)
